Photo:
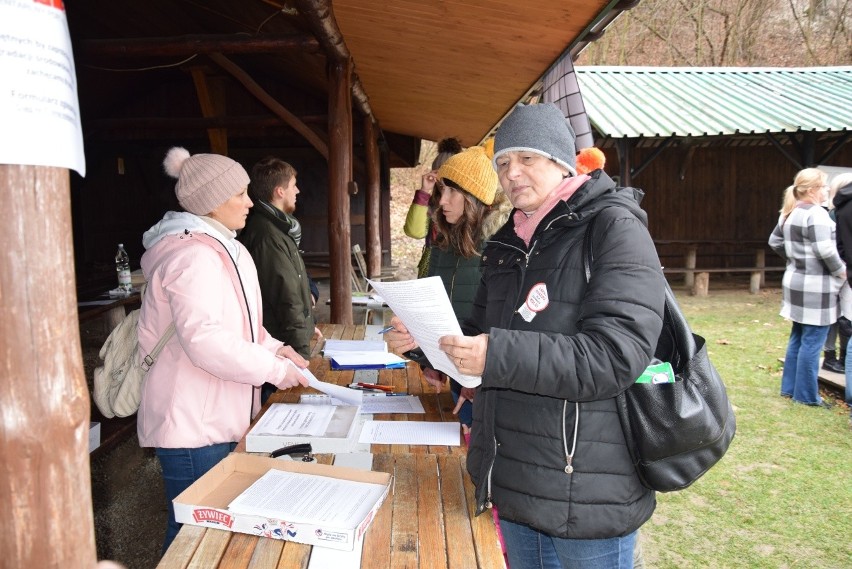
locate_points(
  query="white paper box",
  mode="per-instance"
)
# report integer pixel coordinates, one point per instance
(94, 436)
(341, 436)
(206, 501)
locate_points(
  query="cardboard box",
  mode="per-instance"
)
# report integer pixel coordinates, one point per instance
(94, 436)
(341, 436)
(205, 502)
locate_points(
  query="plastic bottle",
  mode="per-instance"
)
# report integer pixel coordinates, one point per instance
(122, 267)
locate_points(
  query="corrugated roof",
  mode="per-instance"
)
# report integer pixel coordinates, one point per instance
(657, 102)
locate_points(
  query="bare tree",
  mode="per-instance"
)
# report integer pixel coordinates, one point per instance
(727, 33)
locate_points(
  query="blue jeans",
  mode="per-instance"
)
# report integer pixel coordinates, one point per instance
(466, 412)
(182, 467)
(849, 377)
(801, 364)
(530, 549)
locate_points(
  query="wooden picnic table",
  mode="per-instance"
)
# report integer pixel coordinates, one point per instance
(427, 520)
(113, 310)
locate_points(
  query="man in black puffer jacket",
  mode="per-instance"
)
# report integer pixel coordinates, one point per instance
(547, 447)
(841, 185)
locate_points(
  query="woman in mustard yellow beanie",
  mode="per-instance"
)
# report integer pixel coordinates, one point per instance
(469, 208)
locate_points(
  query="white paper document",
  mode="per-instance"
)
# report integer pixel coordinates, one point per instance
(334, 347)
(373, 403)
(425, 309)
(348, 396)
(307, 497)
(298, 419)
(39, 109)
(410, 433)
(354, 359)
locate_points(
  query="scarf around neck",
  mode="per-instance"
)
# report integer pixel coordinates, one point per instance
(526, 225)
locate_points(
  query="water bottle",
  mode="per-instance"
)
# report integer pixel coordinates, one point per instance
(122, 267)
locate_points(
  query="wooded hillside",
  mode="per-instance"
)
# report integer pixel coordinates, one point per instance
(752, 33)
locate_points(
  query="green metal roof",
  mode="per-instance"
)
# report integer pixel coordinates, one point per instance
(658, 102)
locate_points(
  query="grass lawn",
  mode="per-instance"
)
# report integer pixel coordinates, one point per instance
(782, 495)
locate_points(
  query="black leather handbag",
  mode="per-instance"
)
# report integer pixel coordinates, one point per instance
(675, 432)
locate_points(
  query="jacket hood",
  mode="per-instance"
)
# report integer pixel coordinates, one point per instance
(843, 196)
(496, 218)
(178, 223)
(600, 192)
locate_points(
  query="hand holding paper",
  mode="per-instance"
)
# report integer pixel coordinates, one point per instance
(468, 352)
(425, 309)
(348, 396)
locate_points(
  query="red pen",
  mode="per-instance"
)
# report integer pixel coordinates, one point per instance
(385, 388)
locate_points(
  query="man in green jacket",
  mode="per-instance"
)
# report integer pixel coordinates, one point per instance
(272, 237)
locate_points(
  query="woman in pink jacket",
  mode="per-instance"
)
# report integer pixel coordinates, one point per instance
(203, 390)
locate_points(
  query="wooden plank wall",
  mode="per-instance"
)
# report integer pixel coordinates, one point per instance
(726, 194)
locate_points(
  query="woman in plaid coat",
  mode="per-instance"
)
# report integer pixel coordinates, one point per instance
(805, 238)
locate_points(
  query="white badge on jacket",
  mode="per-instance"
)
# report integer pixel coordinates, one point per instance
(537, 300)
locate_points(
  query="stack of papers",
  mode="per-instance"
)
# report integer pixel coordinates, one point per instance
(311, 499)
(361, 354)
(372, 403)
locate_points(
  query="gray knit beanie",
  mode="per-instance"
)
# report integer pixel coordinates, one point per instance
(204, 181)
(540, 128)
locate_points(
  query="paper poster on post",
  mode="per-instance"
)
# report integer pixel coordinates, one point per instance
(39, 109)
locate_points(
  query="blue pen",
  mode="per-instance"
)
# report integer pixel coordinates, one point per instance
(386, 329)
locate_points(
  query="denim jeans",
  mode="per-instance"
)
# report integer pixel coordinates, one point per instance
(849, 377)
(801, 364)
(466, 412)
(182, 467)
(530, 549)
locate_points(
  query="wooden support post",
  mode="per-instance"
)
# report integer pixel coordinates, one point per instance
(701, 285)
(373, 208)
(760, 261)
(339, 176)
(45, 485)
(754, 282)
(689, 262)
(625, 178)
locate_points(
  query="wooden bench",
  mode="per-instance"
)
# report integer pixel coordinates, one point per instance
(699, 279)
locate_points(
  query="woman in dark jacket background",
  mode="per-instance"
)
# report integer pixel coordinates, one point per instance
(841, 187)
(553, 351)
(469, 210)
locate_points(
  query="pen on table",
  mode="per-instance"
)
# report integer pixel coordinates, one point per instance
(375, 386)
(369, 389)
(386, 329)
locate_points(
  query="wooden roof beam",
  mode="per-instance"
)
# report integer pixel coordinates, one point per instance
(212, 101)
(320, 18)
(198, 44)
(194, 123)
(271, 103)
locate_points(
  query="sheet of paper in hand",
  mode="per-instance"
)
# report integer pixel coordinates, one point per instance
(425, 309)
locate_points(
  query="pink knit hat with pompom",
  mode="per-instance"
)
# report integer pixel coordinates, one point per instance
(204, 181)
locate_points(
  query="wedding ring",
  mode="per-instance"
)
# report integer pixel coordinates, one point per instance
(461, 362)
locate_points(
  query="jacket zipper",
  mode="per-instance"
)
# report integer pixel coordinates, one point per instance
(569, 456)
(488, 503)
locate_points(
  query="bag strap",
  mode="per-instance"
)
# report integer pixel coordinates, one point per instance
(674, 321)
(149, 360)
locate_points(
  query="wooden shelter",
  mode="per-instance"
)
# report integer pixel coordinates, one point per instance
(714, 148)
(344, 90)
